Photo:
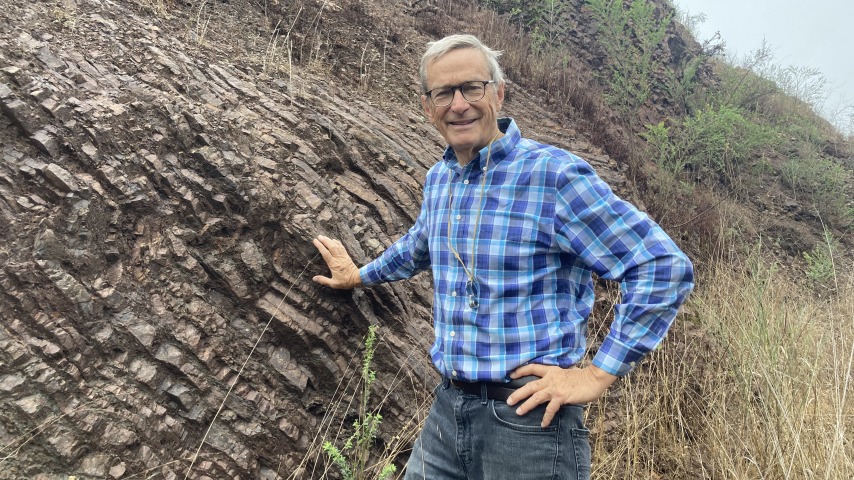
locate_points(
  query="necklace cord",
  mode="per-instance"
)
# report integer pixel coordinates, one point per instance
(469, 273)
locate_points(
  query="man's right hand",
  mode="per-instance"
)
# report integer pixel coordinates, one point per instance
(345, 273)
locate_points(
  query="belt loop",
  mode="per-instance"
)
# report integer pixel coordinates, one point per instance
(446, 382)
(483, 397)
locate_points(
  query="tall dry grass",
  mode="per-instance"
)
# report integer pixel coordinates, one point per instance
(785, 405)
(755, 383)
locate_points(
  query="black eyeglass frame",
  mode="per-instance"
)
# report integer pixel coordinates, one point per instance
(454, 88)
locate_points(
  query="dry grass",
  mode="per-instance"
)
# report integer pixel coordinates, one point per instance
(754, 384)
(784, 406)
(158, 8)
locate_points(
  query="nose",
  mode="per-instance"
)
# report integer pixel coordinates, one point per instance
(459, 103)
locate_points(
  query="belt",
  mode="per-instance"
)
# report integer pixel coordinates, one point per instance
(494, 390)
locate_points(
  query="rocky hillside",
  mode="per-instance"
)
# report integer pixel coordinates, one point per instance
(164, 167)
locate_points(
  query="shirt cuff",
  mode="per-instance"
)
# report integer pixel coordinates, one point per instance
(365, 276)
(616, 358)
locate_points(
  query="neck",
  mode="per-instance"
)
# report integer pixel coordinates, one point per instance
(466, 156)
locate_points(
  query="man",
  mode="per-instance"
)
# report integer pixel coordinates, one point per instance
(512, 230)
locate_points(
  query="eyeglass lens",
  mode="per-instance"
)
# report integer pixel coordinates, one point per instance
(472, 92)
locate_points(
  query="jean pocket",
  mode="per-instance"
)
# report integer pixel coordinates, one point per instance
(506, 416)
(581, 445)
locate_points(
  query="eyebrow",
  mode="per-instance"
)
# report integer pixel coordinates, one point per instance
(455, 84)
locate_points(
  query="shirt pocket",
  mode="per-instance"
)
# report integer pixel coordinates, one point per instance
(522, 234)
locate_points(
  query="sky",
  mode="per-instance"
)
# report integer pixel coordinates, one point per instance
(803, 33)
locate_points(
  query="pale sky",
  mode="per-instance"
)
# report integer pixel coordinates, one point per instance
(803, 33)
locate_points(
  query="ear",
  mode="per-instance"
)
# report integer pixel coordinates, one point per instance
(499, 94)
(428, 108)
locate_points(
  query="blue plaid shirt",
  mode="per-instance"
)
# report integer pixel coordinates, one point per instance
(548, 221)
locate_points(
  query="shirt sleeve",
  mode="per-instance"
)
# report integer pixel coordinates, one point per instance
(618, 242)
(404, 258)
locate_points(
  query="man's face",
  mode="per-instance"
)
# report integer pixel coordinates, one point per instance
(467, 127)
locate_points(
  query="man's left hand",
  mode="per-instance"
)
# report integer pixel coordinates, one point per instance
(558, 386)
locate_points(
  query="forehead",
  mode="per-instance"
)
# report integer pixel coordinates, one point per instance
(457, 66)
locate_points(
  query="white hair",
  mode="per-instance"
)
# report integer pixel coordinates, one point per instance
(439, 48)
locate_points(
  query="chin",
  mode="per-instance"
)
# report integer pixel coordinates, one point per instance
(461, 146)
(462, 141)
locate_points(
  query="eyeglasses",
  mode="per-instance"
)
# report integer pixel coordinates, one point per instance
(472, 92)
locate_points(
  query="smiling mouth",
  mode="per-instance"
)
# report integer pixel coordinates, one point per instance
(463, 123)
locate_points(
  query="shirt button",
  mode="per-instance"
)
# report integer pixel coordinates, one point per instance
(453, 334)
(454, 373)
(484, 169)
(453, 294)
(632, 364)
(466, 182)
(459, 217)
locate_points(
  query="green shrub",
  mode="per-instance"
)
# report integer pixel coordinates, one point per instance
(722, 140)
(821, 270)
(630, 37)
(739, 85)
(664, 150)
(681, 83)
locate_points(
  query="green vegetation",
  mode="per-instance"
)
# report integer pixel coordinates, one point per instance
(756, 121)
(347, 449)
(630, 37)
(542, 19)
(682, 83)
(821, 270)
(718, 140)
(358, 446)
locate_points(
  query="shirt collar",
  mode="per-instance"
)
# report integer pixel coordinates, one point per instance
(501, 148)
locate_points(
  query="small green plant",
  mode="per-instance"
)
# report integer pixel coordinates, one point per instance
(821, 270)
(352, 459)
(682, 82)
(662, 149)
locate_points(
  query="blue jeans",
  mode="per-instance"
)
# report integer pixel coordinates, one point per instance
(473, 438)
